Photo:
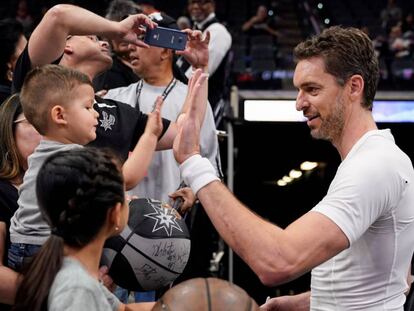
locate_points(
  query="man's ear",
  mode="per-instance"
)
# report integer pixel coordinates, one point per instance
(165, 53)
(356, 87)
(57, 114)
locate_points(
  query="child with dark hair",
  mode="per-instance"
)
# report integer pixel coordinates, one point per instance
(58, 102)
(81, 196)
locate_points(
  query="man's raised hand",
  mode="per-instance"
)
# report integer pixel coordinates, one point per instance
(196, 50)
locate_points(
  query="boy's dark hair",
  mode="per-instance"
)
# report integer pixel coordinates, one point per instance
(346, 52)
(45, 87)
(75, 191)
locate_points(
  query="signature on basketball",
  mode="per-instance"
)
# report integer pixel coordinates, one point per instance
(178, 262)
(176, 254)
(146, 270)
(163, 249)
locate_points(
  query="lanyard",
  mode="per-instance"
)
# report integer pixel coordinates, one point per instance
(164, 95)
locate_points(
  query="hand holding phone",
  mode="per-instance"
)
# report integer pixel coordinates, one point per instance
(166, 38)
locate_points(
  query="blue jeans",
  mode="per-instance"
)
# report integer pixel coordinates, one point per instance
(123, 294)
(148, 296)
(21, 254)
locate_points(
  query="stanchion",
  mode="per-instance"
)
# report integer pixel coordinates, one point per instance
(234, 107)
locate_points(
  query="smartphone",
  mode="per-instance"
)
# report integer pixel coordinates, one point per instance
(166, 38)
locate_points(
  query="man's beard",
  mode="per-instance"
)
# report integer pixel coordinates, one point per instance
(332, 125)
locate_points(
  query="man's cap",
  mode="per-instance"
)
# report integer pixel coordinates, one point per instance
(119, 9)
(164, 20)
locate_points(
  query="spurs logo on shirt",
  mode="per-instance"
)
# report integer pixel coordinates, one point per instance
(107, 121)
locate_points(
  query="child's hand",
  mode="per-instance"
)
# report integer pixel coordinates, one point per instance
(106, 279)
(154, 125)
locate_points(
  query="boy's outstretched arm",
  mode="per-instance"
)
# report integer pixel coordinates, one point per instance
(136, 166)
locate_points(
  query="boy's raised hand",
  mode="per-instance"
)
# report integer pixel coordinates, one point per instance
(154, 125)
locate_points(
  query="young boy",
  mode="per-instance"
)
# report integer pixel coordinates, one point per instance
(58, 102)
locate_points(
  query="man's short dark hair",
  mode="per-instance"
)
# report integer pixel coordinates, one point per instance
(346, 52)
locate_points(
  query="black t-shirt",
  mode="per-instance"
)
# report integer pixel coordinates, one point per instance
(8, 205)
(259, 28)
(119, 75)
(23, 66)
(120, 125)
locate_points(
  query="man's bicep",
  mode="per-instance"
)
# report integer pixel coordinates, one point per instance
(314, 238)
(48, 40)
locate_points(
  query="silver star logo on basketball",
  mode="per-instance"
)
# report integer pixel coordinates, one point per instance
(165, 218)
(107, 121)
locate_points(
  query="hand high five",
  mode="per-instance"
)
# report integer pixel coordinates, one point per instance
(187, 141)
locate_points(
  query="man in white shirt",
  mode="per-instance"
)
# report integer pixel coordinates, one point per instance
(359, 240)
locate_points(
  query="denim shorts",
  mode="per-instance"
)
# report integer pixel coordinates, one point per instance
(21, 254)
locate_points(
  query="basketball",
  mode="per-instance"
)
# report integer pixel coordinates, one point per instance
(204, 295)
(152, 250)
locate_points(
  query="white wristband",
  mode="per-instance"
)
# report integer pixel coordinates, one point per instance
(197, 172)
